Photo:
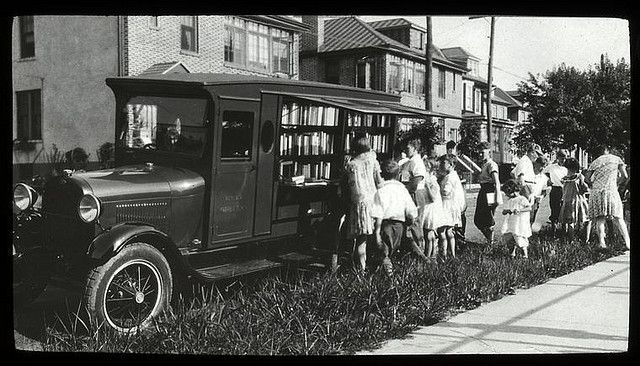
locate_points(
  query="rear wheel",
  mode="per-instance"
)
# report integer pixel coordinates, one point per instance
(130, 289)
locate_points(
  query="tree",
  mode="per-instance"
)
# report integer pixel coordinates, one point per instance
(426, 131)
(470, 141)
(572, 107)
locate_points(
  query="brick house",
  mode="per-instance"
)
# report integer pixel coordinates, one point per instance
(506, 111)
(385, 55)
(59, 65)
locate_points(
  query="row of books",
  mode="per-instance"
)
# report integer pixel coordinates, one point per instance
(318, 170)
(310, 143)
(358, 119)
(308, 115)
(379, 143)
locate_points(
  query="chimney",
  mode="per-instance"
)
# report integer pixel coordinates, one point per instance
(314, 38)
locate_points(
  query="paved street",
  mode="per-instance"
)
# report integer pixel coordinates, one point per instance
(584, 311)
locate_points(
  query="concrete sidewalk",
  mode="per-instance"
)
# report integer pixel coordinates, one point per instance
(584, 311)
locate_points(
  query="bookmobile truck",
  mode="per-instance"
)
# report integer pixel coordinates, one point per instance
(216, 176)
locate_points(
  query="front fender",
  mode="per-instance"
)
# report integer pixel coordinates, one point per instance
(110, 242)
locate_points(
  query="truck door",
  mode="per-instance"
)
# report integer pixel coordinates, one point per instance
(234, 180)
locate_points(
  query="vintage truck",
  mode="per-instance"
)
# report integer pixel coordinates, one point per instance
(216, 175)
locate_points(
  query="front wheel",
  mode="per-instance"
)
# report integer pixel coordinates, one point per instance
(130, 289)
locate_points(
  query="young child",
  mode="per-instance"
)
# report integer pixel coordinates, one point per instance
(432, 214)
(541, 186)
(516, 225)
(451, 210)
(575, 206)
(393, 209)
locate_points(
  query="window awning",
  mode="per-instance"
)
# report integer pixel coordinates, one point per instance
(373, 106)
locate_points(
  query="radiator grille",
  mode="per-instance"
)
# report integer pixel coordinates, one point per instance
(153, 213)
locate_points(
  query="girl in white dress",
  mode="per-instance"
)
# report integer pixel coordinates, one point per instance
(516, 225)
(451, 210)
(432, 214)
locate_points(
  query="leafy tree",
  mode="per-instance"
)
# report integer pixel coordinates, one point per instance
(573, 107)
(426, 131)
(469, 143)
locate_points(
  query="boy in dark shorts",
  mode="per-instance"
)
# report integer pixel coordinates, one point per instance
(393, 209)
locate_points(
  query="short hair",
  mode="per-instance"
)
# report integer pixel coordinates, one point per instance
(445, 157)
(541, 160)
(484, 145)
(415, 143)
(510, 186)
(451, 144)
(360, 145)
(389, 169)
(562, 153)
(572, 164)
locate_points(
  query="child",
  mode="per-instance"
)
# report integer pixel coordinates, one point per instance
(575, 206)
(392, 208)
(516, 225)
(450, 206)
(540, 187)
(432, 214)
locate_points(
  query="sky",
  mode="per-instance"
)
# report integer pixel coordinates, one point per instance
(524, 45)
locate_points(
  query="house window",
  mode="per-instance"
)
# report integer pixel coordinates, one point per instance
(442, 83)
(454, 81)
(395, 76)
(468, 97)
(408, 77)
(281, 50)
(189, 33)
(257, 46)
(417, 40)
(332, 72)
(234, 45)
(477, 100)
(419, 80)
(153, 22)
(28, 110)
(27, 41)
(361, 75)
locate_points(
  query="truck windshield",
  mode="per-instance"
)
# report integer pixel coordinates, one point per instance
(168, 124)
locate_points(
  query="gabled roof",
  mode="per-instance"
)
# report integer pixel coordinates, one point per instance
(458, 53)
(350, 33)
(506, 97)
(395, 22)
(165, 68)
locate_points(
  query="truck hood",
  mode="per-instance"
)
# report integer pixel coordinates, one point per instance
(140, 182)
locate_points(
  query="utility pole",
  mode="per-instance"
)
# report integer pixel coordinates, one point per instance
(490, 81)
(428, 69)
(489, 76)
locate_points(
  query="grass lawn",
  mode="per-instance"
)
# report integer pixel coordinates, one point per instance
(289, 314)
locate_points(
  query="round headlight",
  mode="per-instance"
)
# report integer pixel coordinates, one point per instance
(23, 196)
(89, 208)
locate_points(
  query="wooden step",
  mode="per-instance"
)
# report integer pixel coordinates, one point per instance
(237, 269)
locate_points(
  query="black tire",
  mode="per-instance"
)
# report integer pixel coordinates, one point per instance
(130, 289)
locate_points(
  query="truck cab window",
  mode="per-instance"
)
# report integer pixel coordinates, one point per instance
(168, 124)
(237, 135)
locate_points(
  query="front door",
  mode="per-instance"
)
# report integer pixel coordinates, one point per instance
(234, 181)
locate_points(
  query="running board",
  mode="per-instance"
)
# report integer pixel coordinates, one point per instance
(237, 269)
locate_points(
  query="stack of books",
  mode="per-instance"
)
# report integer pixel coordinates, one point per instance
(318, 170)
(309, 143)
(308, 115)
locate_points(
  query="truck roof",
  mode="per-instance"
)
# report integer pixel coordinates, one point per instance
(205, 79)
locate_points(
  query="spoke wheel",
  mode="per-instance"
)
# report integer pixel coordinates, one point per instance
(130, 289)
